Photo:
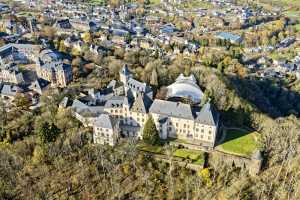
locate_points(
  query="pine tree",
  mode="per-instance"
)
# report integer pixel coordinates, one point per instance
(48, 132)
(150, 133)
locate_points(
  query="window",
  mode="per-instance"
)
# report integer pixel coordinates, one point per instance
(201, 136)
(202, 130)
(209, 132)
(184, 126)
(176, 124)
(209, 137)
(197, 129)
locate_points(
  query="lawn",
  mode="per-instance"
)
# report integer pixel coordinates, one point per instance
(155, 2)
(297, 27)
(292, 13)
(96, 2)
(240, 142)
(150, 148)
(196, 156)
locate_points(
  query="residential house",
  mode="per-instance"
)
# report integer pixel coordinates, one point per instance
(233, 38)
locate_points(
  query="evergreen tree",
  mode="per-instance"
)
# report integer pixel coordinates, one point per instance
(150, 133)
(48, 132)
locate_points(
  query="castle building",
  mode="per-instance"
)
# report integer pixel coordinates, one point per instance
(11, 56)
(106, 130)
(133, 86)
(126, 115)
(51, 67)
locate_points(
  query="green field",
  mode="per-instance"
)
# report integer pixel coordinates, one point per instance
(196, 157)
(96, 2)
(292, 13)
(150, 148)
(155, 2)
(297, 27)
(239, 142)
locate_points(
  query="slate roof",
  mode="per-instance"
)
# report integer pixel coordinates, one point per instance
(229, 36)
(125, 70)
(38, 85)
(142, 103)
(86, 110)
(49, 55)
(105, 121)
(78, 105)
(174, 109)
(10, 90)
(208, 115)
(114, 102)
(138, 86)
(57, 66)
(64, 102)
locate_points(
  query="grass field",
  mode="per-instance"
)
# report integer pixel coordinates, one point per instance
(150, 148)
(240, 142)
(297, 27)
(154, 2)
(96, 2)
(197, 157)
(197, 4)
(292, 13)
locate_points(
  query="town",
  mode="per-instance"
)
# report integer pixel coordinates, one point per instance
(202, 87)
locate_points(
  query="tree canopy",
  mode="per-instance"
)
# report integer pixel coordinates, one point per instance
(150, 133)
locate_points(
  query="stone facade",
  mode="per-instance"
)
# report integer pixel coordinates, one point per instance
(51, 67)
(11, 74)
(106, 130)
(173, 120)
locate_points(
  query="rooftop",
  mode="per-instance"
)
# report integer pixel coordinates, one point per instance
(185, 87)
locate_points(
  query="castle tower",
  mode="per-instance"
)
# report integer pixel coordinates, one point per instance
(125, 74)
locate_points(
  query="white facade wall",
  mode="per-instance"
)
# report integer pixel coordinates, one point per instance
(105, 136)
(186, 129)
